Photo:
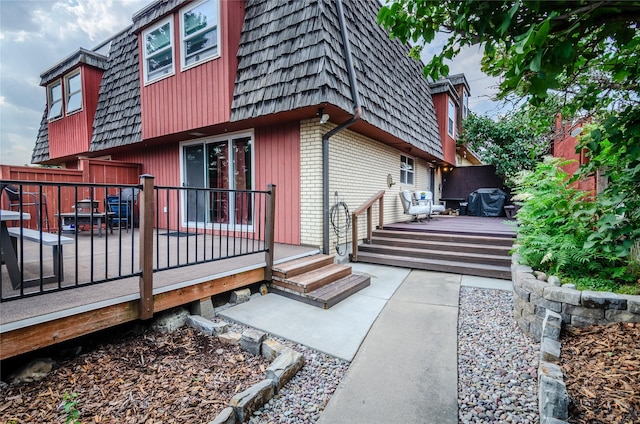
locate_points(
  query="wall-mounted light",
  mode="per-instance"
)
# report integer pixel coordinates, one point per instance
(324, 117)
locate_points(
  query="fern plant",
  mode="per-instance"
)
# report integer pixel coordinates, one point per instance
(555, 223)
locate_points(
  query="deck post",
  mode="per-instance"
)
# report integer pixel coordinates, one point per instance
(269, 231)
(146, 246)
(354, 237)
(381, 213)
(369, 223)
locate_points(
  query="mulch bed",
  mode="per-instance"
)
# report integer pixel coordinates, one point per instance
(601, 365)
(182, 377)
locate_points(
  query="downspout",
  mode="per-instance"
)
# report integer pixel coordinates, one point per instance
(357, 114)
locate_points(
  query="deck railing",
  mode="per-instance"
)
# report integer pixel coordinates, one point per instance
(126, 231)
(368, 208)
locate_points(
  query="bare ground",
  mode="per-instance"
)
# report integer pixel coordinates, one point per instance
(601, 365)
(182, 377)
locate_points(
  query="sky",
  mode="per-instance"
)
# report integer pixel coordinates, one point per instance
(37, 34)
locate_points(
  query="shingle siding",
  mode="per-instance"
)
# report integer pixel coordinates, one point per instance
(41, 149)
(118, 120)
(291, 56)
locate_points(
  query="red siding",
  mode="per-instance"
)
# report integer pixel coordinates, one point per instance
(564, 146)
(200, 96)
(441, 103)
(70, 135)
(278, 161)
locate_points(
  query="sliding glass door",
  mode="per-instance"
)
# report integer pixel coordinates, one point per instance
(225, 164)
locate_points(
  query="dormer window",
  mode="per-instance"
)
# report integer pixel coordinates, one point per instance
(73, 86)
(451, 115)
(158, 51)
(199, 33)
(54, 97)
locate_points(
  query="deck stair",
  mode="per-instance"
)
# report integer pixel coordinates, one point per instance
(479, 255)
(316, 280)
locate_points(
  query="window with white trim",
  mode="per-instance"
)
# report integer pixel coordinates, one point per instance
(54, 98)
(158, 51)
(406, 170)
(451, 116)
(73, 88)
(199, 35)
(465, 104)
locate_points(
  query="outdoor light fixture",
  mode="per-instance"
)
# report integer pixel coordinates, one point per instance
(324, 117)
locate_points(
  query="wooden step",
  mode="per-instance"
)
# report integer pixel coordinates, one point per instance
(446, 237)
(455, 256)
(301, 265)
(442, 245)
(481, 270)
(314, 279)
(330, 294)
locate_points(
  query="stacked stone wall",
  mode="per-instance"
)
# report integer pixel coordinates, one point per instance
(534, 295)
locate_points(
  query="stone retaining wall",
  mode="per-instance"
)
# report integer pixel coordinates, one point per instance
(533, 296)
(542, 306)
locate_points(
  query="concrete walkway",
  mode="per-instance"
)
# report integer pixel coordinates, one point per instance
(400, 335)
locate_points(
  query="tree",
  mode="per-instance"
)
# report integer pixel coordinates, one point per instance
(508, 144)
(584, 53)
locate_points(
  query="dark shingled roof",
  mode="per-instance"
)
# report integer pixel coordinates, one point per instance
(41, 149)
(154, 11)
(458, 79)
(81, 56)
(118, 120)
(291, 56)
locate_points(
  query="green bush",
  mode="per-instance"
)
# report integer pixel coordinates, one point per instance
(555, 225)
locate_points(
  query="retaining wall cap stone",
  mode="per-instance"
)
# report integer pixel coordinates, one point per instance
(563, 294)
(608, 300)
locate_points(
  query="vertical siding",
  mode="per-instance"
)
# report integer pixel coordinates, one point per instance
(71, 135)
(441, 104)
(277, 156)
(197, 97)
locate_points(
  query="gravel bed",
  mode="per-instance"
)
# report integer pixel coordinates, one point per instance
(305, 396)
(497, 363)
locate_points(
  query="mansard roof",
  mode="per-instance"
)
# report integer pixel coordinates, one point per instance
(290, 56)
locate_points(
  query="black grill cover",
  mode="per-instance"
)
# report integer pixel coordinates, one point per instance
(487, 202)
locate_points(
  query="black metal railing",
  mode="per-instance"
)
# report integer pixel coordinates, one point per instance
(61, 236)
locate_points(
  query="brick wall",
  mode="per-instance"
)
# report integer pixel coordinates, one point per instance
(358, 170)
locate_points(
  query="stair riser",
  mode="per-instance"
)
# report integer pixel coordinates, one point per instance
(406, 235)
(462, 269)
(431, 254)
(316, 284)
(457, 247)
(321, 303)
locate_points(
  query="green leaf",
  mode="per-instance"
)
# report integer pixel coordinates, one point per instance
(536, 62)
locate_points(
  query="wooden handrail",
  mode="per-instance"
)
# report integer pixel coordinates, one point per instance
(366, 207)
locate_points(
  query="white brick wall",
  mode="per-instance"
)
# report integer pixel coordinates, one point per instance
(358, 170)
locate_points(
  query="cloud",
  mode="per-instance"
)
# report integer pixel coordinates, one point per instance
(34, 36)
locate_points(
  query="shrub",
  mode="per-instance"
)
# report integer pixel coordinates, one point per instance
(555, 223)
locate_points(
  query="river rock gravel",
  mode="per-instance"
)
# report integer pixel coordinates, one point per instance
(497, 363)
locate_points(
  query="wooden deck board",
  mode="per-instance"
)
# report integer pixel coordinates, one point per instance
(469, 225)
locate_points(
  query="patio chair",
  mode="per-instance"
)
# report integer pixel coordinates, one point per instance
(121, 210)
(34, 199)
(412, 207)
(434, 208)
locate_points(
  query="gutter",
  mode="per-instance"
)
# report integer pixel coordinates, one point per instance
(357, 114)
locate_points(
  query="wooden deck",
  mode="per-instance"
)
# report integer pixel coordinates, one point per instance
(462, 225)
(31, 323)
